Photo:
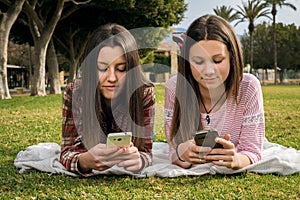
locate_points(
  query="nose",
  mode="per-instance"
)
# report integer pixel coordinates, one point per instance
(209, 68)
(111, 76)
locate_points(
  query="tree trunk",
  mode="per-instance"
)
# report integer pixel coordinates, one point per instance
(4, 91)
(42, 34)
(72, 70)
(274, 11)
(251, 51)
(281, 73)
(38, 85)
(7, 20)
(53, 69)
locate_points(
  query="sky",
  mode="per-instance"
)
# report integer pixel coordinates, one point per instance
(197, 8)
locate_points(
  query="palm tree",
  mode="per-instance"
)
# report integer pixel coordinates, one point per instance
(226, 13)
(251, 11)
(274, 4)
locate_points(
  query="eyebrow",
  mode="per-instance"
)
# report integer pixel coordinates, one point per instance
(100, 62)
(104, 63)
(216, 55)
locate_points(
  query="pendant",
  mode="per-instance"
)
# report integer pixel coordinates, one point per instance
(207, 118)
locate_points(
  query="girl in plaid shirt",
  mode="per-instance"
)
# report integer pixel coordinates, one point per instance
(112, 95)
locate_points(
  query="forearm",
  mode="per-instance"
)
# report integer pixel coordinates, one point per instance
(182, 164)
(177, 159)
(83, 163)
(70, 154)
(241, 161)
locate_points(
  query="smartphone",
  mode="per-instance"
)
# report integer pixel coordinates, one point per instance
(121, 139)
(207, 138)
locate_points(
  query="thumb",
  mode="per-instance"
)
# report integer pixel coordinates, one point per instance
(227, 137)
(225, 142)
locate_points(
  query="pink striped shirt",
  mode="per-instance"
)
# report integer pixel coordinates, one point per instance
(244, 122)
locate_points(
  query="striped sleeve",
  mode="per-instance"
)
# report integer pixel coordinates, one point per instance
(168, 109)
(253, 124)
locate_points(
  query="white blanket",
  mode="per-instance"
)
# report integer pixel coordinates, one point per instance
(275, 159)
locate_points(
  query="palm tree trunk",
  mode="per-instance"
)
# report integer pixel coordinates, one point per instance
(251, 51)
(274, 42)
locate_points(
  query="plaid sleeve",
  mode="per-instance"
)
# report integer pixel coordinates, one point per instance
(149, 112)
(72, 145)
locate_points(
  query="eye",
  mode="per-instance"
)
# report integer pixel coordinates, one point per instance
(121, 68)
(102, 69)
(219, 60)
(198, 61)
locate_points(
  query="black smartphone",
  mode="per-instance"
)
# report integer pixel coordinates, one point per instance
(207, 138)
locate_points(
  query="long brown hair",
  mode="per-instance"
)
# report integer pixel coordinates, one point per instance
(131, 96)
(186, 116)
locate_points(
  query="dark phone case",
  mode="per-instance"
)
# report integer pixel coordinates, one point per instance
(207, 139)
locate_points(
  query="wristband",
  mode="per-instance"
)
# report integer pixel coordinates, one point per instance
(143, 162)
(143, 165)
(177, 154)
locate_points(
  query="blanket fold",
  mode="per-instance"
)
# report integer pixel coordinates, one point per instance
(275, 159)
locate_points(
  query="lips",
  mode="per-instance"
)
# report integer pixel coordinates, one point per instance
(110, 87)
(210, 79)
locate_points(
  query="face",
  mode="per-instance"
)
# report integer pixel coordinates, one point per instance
(210, 63)
(112, 70)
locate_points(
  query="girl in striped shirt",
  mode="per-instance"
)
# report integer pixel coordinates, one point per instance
(211, 91)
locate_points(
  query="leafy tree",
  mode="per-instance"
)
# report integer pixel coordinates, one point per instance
(71, 33)
(42, 18)
(262, 48)
(251, 11)
(7, 19)
(288, 47)
(226, 13)
(42, 23)
(274, 4)
(75, 25)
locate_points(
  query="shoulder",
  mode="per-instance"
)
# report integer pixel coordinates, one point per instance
(149, 95)
(75, 84)
(149, 92)
(250, 78)
(170, 87)
(171, 83)
(250, 86)
(73, 87)
(250, 81)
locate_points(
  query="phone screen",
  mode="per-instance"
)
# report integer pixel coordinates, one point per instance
(206, 138)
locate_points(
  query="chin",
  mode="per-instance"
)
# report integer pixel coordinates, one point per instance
(213, 86)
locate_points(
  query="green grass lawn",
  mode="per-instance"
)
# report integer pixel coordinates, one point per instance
(26, 121)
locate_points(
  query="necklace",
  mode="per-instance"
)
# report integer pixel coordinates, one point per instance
(207, 118)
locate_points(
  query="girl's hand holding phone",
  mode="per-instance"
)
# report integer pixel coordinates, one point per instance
(227, 156)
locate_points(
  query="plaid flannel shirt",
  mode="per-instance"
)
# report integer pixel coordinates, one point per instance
(72, 145)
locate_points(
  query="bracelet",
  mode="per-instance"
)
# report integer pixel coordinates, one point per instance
(143, 162)
(177, 154)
